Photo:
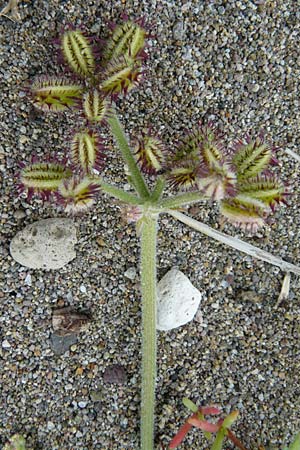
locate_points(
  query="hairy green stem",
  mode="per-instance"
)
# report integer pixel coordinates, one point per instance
(120, 194)
(118, 133)
(181, 200)
(148, 287)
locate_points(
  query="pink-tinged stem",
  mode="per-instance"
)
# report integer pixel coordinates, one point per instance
(204, 425)
(235, 440)
(180, 435)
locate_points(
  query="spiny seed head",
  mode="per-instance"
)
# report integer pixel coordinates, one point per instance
(211, 146)
(78, 53)
(243, 213)
(55, 94)
(149, 153)
(252, 157)
(267, 189)
(189, 147)
(128, 40)
(43, 177)
(184, 177)
(121, 75)
(95, 106)
(78, 194)
(86, 151)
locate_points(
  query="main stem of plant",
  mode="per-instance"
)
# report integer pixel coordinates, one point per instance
(148, 229)
(148, 287)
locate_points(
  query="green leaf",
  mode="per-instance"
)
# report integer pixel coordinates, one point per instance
(230, 419)
(218, 442)
(16, 442)
(190, 405)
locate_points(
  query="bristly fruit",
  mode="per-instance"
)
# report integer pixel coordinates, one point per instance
(121, 75)
(95, 106)
(87, 151)
(252, 157)
(266, 189)
(55, 94)
(78, 54)
(149, 152)
(78, 194)
(43, 178)
(243, 213)
(183, 177)
(128, 40)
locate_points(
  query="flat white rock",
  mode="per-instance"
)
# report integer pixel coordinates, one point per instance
(46, 244)
(177, 300)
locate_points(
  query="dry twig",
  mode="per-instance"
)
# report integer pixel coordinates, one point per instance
(12, 8)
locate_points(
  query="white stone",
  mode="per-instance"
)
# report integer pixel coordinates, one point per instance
(177, 300)
(82, 289)
(28, 280)
(5, 344)
(46, 244)
(130, 273)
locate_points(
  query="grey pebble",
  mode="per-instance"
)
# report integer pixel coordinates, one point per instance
(61, 344)
(115, 374)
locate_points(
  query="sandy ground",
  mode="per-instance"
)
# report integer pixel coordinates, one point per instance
(234, 62)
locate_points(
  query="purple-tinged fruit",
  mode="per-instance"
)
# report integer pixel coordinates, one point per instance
(43, 178)
(121, 75)
(86, 151)
(55, 94)
(184, 177)
(149, 153)
(244, 213)
(78, 53)
(78, 194)
(95, 106)
(128, 40)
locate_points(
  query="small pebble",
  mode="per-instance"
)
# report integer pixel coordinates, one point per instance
(130, 273)
(5, 344)
(115, 374)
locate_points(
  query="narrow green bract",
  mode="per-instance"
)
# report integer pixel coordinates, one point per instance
(78, 54)
(55, 94)
(44, 176)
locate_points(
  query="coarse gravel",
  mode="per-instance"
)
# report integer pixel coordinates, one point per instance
(236, 63)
